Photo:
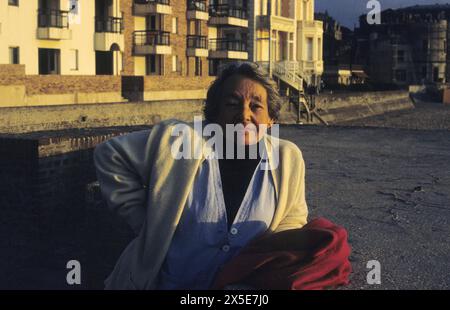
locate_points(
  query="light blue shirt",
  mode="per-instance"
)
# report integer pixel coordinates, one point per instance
(202, 242)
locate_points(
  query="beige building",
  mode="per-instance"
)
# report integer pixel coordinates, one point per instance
(98, 51)
(295, 52)
(60, 52)
(62, 37)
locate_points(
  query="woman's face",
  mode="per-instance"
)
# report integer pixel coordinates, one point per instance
(244, 101)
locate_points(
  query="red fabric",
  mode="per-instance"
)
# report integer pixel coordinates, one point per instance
(312, 257)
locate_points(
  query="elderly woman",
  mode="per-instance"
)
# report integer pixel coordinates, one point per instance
(192, 215)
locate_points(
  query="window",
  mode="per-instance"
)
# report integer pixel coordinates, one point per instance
(13, 2)
(424, 72)
(198, 66)
(309, 49)
(401, 56)
(14, 58)
(73, 60)
(436, 74)
(425, 45)
(151, 22)
(174, 63)
(400, 75)
(213, 67)
(319, 48)
(154, 65)
(198, 27)
(174, 25)
(49, 61)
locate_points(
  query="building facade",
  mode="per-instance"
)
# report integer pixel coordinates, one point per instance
(285, 38)
(99, 51)
(409, 47)
(338, 55)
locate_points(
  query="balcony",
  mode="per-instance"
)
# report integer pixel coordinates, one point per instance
(312, 66)
(197, 10)
(311, 27)
(53, 25)
(228, 49)
(147, 7)
(108, 31)
(146, 42)
(275, 22)
(197, 46)
(224, 15)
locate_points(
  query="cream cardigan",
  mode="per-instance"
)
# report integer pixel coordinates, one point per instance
(142, 182)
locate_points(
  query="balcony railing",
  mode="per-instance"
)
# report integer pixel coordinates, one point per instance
(197, 5)
(194, 41)
(165, 2)
(109, 24)
(224, 10)
(53, 18)
(227, 45)
(151, 37)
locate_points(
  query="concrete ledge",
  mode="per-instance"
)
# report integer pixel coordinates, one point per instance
(16, 96)
(343, 107)
(174, 95)
(39, 118)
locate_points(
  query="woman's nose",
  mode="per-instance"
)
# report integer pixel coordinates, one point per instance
(246, 113)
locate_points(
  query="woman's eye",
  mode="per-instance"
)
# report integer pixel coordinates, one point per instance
(256, 105)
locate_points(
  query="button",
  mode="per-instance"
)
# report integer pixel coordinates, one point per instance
(234, 231)
(226, 248)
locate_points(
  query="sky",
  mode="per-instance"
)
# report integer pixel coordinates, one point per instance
(347, 12)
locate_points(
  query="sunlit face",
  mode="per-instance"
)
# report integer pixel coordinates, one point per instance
(244, 101)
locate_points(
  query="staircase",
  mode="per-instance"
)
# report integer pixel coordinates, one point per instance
(291, 74)
(288, 72)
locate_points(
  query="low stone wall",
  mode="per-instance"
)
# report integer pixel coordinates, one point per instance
(340, 107)
(157, 88)
(18, 89)
(7, 70)
(27, 119)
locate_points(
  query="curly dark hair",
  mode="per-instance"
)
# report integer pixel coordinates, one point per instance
(250, 70)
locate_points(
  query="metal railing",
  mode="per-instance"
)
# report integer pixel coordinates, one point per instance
(194, 41)
(109, 24)
(53, 18)
(289, 71)
(227, 45)
(224, 10)
(197, 5)
(165, 2)
(151, 37)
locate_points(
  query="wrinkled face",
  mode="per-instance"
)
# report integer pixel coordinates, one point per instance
(244, 101)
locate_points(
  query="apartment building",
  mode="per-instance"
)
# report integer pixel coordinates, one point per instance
(60, 52)
(94, 51)
(408, 47)
(285, 38)
(62, 37)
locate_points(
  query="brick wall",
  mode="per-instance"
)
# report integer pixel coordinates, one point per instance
(176, 82)
(61, 84)
(7, 70)
(49, 213)
(177, 41)
(128, 23)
